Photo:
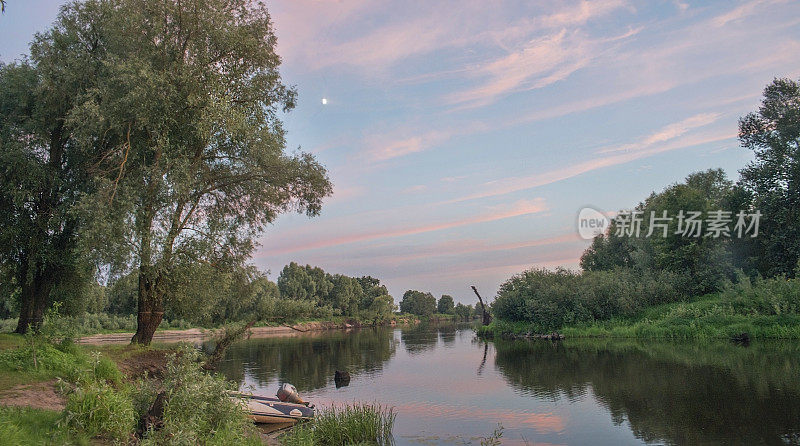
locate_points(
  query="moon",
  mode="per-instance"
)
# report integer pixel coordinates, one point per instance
(324, 101)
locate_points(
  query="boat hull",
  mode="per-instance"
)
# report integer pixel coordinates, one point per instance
(267, 410)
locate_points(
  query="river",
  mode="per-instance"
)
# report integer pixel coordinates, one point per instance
(448, 387)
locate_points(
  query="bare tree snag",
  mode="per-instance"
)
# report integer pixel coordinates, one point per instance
(487, 319)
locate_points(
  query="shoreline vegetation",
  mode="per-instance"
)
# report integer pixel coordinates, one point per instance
(703, 258)
(108, 394)
(766, 309)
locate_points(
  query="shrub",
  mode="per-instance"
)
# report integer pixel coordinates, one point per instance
(97, 409)
(197, 407)
(548, 300)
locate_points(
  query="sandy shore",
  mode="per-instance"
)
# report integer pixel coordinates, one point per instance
(199, 334)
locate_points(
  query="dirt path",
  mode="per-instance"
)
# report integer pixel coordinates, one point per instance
(38, 395)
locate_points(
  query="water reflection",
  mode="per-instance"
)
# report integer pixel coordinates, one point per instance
(449, 388)
(419, 339)
(309, 361)
(677, 393)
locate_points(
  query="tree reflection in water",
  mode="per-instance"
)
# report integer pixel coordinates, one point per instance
(309, 360)
(675, 393)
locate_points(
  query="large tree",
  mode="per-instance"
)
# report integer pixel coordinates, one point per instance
(44, 170)
(773, 178)
(706, 262)
(187, 119)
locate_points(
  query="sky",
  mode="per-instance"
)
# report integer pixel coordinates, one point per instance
(463, 137)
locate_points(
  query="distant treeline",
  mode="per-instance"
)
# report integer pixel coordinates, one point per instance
(425, 305)
(206, 296)
(623, 273)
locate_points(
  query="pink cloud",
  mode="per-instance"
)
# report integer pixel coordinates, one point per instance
(509, 185)
(667, 133)
(519, 208)
(541, 62)
(742, 11)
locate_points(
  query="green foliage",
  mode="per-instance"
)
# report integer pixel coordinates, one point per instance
(304, 283)
(418, 303)
(96, 408)
(362, 297)
(198, 409)
(772, 179)
(445, 305)
(45, 173)
(23, 426)
(549, 300)
(380, 309)
(763, 308)
(463, 312)
(345, 425)
(705, 262)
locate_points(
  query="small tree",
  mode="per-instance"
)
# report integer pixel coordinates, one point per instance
(445, 305)
(418, 303)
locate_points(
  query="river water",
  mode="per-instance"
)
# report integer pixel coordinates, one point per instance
(448, 387)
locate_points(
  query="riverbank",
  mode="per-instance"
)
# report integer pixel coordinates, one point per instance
(65, 393)
(201, 334)
(715, 316)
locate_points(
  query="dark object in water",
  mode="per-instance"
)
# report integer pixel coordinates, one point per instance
(262, 409)
(341, 379)
(741, 338)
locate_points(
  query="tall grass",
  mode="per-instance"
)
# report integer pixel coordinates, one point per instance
(348, 424)
(23, 426)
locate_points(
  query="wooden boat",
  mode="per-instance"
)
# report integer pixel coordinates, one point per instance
(262, 409)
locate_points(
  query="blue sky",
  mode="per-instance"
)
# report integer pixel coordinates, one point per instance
(464, 137)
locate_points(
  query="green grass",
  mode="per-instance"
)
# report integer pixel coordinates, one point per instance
(8, 340)
(25, 426)
(721, 315)
(345, 425)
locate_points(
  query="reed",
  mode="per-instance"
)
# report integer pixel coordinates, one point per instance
(355, 423)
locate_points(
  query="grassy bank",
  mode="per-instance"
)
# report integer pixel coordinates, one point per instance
(99, 395)
(764, 309)
(92, 401)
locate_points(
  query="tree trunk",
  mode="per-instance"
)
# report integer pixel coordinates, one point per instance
(487, 318)
(151, 308)
(41, 298)
(34, 297)
(26, 308)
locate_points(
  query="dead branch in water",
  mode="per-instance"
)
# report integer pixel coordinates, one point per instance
(487, 319)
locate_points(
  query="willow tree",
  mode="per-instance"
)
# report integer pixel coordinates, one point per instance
(194, 155)
(44, 171)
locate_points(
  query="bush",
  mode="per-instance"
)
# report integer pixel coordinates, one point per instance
(548, 300)
(97, 409)
(45, 359)
(197, 407)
